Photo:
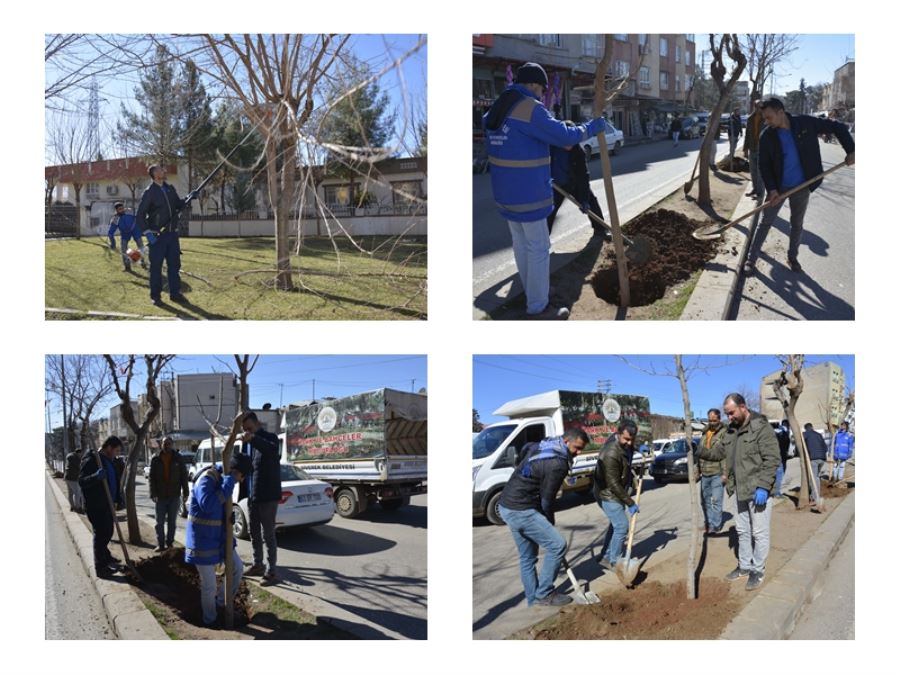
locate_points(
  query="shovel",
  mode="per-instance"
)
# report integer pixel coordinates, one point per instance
(714, 231)
(628, 567)
(690, 184)
(583, 596)
(112, 509)
(640, 249)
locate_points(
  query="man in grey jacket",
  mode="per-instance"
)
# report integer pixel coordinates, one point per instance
(751, 461)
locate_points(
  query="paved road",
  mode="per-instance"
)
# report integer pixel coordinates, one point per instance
(831, 616)
(825, 288)
(663, 528)
(642, 175)
(373, 567)
(73, 610)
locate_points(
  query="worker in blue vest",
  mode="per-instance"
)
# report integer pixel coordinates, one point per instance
(519, 131)
(126, 224)
(157, 217)
(205, 539)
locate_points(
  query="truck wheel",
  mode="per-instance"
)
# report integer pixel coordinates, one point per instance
(394, 504)
(347, 504)
(241, 530)
(492, 512)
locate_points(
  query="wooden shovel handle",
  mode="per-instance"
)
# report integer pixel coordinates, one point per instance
(593, 216)
(637, 500)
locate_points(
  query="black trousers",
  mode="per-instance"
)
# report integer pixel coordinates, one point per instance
(558, 199)
(102, 522)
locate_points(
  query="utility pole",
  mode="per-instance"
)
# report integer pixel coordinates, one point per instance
(280, 395)
(62, 368)
(412, 386)
(314, 390)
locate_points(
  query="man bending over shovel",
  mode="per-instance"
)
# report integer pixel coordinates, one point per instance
(612, 478)
(527, 505)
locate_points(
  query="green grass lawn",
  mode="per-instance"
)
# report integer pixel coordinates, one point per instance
(232, 279)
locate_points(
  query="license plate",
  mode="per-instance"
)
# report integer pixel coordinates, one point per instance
(305, 499)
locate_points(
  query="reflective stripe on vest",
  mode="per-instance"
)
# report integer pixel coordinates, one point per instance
(520, 163)
(523, 208)
(205, 521)
(522, 111)
(197, 553)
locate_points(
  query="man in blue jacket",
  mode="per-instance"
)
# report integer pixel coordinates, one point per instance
(157, 217)
(96, 503)
(844, 442)
(264, 494)
(126, 224)
(519, 131)
(527, 506)
(789, 156)
(205, 536)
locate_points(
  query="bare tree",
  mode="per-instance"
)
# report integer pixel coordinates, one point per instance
(764, 51)
(245, 367)
(751, 396)
(122, 374)
(728, 45)
(70, 144)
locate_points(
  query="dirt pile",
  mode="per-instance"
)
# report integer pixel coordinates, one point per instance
(676, 256)
(652, 611)
(175, 583)
(835, 490)
(737, 165)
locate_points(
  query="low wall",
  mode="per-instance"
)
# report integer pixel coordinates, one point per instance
(373, 225)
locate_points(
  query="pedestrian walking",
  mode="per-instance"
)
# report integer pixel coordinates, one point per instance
(675, 128)
(735, 131)
(264, 494)
(157, 217)
(751, 150)
(817, 449)
(612, 480)
(527, 507)
(751, 462)
(844, 443)
(205, 538)
(96, 503)
(712, 469)
(126, 225)
(519, 131)
(783, 434)
(569, 170)
(73, 469)
(788, 156)
(168, 491)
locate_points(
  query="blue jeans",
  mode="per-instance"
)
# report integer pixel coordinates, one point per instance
(166, 514)
(618, 522)
(711, 489)
(779, 476)
(531, 530)
(211, 594)
(165, 248)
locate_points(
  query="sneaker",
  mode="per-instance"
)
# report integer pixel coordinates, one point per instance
(156, 302)
(605, 564)
(737, 573)
(255, 570)
(755, 581)
(160, 548)
(795, 265)
(551, 313)
(104, 573)
(269, 578)
(178, 298)
(553, 600)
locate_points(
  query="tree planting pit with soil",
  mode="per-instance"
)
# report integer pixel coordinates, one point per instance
(651, 611)
(676, 255)
(737, 165)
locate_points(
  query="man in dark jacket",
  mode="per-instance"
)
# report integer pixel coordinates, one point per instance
(751, 149)
(527, 506)
(675, 129)
(569, 170)
(96, 503)
(73, 468)
(264, 494)
(157, 217)
(612, 478)
(751, 460)
(818, 454)
(712, 469)
(783, 434)
(168, 481)
(735, 131)
(789, 156)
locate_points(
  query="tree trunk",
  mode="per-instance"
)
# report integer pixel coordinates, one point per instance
(693, 559)
(77, 188)
(134, 528)
(280, 205)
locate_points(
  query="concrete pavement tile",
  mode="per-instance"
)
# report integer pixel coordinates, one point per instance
(138, 626)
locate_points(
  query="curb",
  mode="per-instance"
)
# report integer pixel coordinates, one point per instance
(773, 613)
(126, 612)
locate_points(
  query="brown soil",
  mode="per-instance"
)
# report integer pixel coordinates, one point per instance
(834, 490)
(677, 255)
(738, 165)
(652, 611)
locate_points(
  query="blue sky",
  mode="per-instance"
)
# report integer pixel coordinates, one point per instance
(282, 379)
(497, 379)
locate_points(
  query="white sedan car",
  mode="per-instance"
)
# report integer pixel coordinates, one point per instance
(615, 139)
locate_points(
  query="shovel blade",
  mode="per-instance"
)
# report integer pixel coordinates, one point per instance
(627, 570)
(639, 251)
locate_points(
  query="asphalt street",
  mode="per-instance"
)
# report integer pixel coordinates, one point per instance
(642, 175)
(73, 610)
(373, 567)
(663, 530)
(831, 616)
(825, 287)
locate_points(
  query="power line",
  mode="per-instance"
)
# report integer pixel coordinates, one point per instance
(520, 372)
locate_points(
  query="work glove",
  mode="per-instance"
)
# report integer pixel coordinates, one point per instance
(761, 496)
(633, 509)
(193, 194)
(151, 238)
(595, 126)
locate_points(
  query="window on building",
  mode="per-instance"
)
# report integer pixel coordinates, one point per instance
(483, 89)
(592, 45)
(687, 57)
(338, 195)
(406, 193)
(92, 189)
(677, 83)
(550, 39)
(663, 46)
(688, 82)
(677, 54)
(645, 77)
(622, 36)
(622, 68)
(664, 81)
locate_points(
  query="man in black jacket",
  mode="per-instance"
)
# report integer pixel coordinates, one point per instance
(612, 478)
(789, 156)
(264, 494)
(818, 454)
(569, 170)
(157, 216)
(527, 505)
(73, 468)
(96, 503)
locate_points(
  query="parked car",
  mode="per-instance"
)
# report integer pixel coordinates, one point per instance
(690, 127)
(671, 464)
(615, 139)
